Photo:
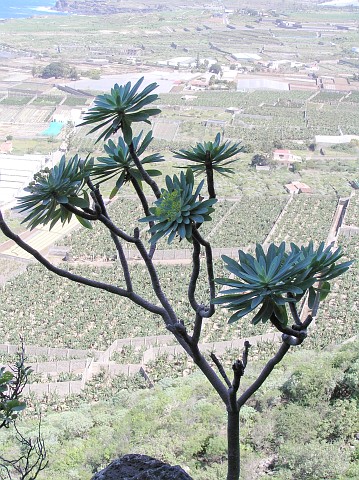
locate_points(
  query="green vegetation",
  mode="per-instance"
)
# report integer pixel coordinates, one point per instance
(275, 445)
(59, 70)
(128, 418)
(273, 285)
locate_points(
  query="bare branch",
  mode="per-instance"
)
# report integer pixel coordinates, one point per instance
(221, 369)
(238, 368)
(307, 321)
(32, 460)
(115, 230)
(247, 346)
(103, 219)
(263, 375)
(141, 196)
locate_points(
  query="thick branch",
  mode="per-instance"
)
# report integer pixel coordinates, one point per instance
(141, 196)
(298, 333)
(78, 278)
(294, 312)
(209, 175)
(112, 227)
(155, 280)
(116, 241)
(213, 378)
(197, 328)
(180, 332)
(143, 172)
(238, 372)
(196, 265)
(221, 369)
(210, 273)
(146, 210)
(238, 368)
(307, 321)
(103, 219)
(80, 213)
(263, 375)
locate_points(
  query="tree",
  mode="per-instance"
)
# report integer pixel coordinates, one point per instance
(12, 383)
(215, 68)
(31, 457)
(59, 70)
(270, 285)
(259, 159)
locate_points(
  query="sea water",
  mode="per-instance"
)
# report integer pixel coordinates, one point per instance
(26, 8)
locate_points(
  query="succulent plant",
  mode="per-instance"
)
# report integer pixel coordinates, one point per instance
(273, 279)
(120, 108)
(178, 210)
(216, 153)
(52, 189)
(119, 162)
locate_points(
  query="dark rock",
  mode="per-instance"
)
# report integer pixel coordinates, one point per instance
(140, 467)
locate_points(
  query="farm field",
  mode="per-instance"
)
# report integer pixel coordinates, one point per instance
(138, 413)
(307, 217)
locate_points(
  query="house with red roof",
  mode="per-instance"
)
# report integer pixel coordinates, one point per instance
(6, 147)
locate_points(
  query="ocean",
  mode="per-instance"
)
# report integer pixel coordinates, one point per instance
(26, 8)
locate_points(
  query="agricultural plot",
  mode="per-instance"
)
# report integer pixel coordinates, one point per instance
(328, 97)
(34, 87)
(16, 100)
(48, 100)
(33, 114)
(352, 215)
(82, 317)
(326, 120)
(249, 222)
(75, 101)
(165, 130)
(97, 243)
(352, 98)
(8, 113)
(308, 217)
(235, 224)
(265, 117)
(82, 145)
(338, 318)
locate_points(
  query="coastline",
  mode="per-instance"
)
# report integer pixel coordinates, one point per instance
(28, 9)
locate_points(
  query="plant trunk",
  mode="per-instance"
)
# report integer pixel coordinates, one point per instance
(209, 174)
(233, 445)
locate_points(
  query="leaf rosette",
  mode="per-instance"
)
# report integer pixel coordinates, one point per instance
(215, 153)
(120, 108)
(119, 162)
(53, 189)
(178, 210)
(273, 279)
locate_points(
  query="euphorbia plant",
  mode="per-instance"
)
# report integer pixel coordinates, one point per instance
(270, 284)
(210, 157)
